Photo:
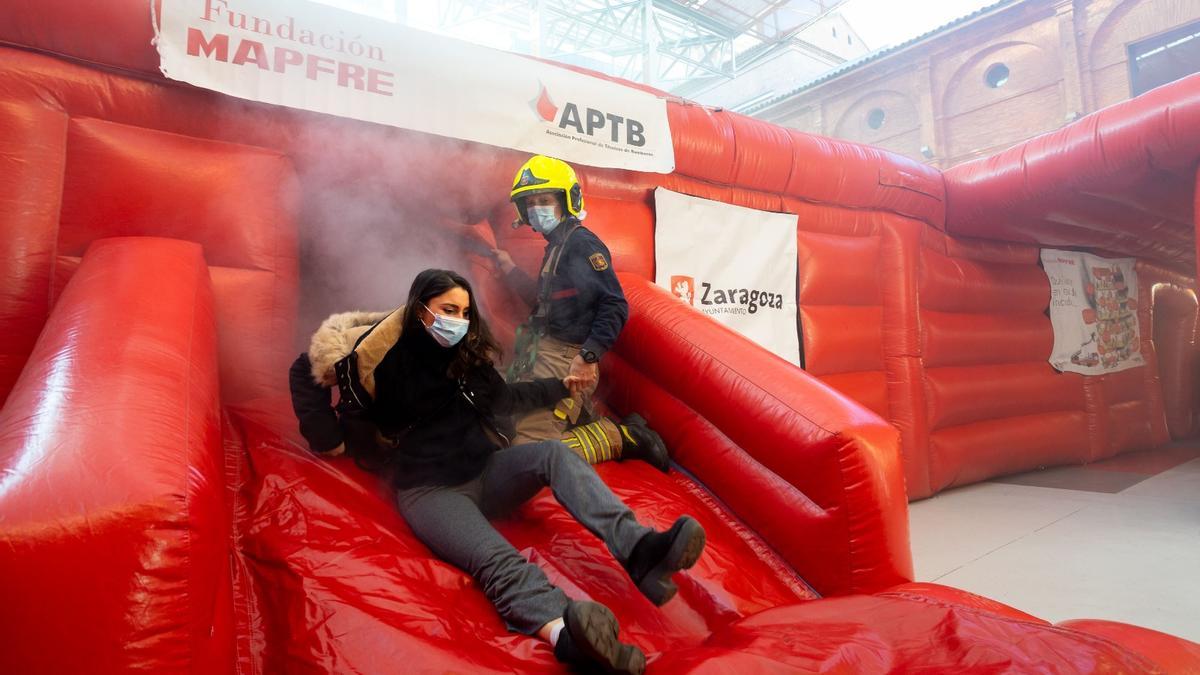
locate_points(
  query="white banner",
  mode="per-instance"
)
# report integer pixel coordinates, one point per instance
(314, 57)
(735, 264)
(1093, 308)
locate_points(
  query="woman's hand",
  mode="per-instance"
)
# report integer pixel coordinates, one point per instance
(341, 448)
(587, 374)
(574, 385)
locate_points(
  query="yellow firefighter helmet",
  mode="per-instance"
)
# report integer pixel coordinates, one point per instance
(543, 174)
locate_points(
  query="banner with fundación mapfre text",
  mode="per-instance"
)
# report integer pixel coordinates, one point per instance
(314, 57)
(735, 264)
(1093, 309)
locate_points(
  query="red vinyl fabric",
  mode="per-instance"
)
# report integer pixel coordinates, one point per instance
(100, 163)
(115, 527)
(123, 180)
(886, 630)
(846, 480)
(330, 557)
(156, 243)
(1119, 180)
(1172, 655)
(1176, 341)
(836, 188)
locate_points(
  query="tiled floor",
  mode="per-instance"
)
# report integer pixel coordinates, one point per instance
(1115, 540)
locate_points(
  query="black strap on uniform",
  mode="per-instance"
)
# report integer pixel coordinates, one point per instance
(529, 333)
(541, 315)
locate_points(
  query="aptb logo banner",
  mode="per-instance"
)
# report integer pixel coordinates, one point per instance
(314, 57)
(624, 134)
(735, 264)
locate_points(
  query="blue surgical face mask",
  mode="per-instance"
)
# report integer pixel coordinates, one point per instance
(447, 331)
(542, 218)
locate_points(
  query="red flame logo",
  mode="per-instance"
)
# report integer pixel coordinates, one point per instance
(544, 106)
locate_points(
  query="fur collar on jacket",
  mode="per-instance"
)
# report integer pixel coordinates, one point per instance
(336, 338)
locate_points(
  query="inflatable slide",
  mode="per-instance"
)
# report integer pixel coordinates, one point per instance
(166, 250)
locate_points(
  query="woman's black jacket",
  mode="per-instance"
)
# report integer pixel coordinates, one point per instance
(421, 427)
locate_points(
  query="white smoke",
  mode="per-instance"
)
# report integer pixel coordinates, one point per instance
(378, 205)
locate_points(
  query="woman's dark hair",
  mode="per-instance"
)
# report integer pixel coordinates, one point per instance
(478, 348)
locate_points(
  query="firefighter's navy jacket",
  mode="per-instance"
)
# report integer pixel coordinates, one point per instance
(586, 305)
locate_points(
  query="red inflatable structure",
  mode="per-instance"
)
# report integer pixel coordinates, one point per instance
(164, 248)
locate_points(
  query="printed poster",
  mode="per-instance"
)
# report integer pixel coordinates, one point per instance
(1093, 308)
(735, 264)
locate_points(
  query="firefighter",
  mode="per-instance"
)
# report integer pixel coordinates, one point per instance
(578, 311)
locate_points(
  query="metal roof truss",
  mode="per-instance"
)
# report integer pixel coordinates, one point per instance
(665, 43)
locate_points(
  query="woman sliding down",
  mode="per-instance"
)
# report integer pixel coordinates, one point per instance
(425, 380)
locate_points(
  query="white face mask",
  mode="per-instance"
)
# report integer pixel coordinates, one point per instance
(447, 331)
(542, 218)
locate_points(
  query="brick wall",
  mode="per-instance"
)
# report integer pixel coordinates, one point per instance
(937, 100)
